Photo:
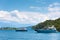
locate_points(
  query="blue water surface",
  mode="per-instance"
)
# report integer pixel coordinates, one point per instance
(13, 35)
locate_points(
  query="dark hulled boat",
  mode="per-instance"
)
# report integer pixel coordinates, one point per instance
(47, 30)
(21, 29)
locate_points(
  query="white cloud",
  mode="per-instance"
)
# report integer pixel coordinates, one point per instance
(53, 15)
(5, 15)
(54, 11)
(35, 7)
(54, 7)
(31, 17)
(23, 17)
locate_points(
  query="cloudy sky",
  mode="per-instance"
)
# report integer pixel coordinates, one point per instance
(29, 11)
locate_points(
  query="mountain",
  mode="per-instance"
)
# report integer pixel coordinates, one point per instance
(47, 23)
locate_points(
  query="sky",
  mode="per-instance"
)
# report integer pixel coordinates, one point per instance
(29, 11)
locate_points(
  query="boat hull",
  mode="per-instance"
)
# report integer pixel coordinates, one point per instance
(46, 31)
(21, 30)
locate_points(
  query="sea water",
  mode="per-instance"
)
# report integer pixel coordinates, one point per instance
(13, 35)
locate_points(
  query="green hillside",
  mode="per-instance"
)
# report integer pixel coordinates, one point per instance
(47, 23)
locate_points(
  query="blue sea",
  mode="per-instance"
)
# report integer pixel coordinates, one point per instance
(30, 35)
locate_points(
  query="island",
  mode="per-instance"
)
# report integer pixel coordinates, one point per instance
(48, 23)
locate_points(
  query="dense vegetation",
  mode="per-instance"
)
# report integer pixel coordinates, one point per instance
(47, 23)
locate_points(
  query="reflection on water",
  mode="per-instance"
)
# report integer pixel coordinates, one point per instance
(13, 35)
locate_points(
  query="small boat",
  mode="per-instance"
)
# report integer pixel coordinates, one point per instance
(47, 30)
(21, 29)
